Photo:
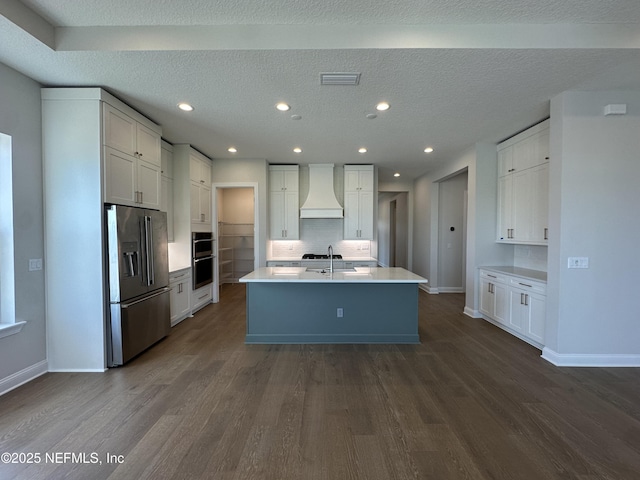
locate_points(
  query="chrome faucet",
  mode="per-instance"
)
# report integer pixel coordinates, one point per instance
(330, 252)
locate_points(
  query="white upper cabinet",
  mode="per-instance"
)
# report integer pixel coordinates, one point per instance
(132, 160)
(523, 187)
(200, 189)
(166, 190)
(358, 202)
(129, 136)
(284, 202)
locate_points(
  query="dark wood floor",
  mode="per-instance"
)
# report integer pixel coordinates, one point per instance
(470, 402)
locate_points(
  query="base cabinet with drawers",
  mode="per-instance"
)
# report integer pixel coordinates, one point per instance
(201, 297)
(516, 303)
(180, 296)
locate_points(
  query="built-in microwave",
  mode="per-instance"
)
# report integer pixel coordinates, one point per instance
(202, 258)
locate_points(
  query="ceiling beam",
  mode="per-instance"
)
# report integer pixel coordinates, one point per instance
(327, 37)
(29, 21)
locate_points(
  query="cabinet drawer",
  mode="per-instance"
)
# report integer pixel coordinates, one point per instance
(493, 276)
(179, 275)
(528, 285)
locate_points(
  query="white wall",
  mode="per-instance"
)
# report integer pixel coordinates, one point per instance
(23, 355)
(594, 198)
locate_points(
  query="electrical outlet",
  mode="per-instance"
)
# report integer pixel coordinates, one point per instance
(578, 262)
(339, 313)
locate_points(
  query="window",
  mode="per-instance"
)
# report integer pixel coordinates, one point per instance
(8, 323)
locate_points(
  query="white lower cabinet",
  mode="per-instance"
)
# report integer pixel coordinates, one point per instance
(180, 296)
(517, 303)
(201, 297)
(493, 296)
(527, 308)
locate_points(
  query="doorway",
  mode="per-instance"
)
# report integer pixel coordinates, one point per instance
(452, 233)
(235, 220)
(393, 229)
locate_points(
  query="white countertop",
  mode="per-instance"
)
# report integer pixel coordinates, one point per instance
(360, 275)
(519, 272)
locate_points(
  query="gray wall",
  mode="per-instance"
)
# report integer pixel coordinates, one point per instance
(480, 163)
(594, 198)
(451, 233)
(402, 229)
(20, 117)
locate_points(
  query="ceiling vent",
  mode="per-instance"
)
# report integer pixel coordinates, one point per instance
(339, 78)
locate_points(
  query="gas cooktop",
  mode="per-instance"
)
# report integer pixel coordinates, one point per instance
(319, 256)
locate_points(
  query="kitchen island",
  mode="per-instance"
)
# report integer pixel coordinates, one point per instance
(359, 305)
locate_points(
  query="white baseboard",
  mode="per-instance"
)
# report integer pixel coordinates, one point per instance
(470, 312)
(590, 360)
(23, 376)
(450, 290)
(427, 288)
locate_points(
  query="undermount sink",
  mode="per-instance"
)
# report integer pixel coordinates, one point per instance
(335, 270)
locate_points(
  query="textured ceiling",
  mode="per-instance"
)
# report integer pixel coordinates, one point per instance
(449, 98)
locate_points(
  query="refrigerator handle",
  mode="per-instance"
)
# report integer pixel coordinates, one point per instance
(148, 235)
(135, 302)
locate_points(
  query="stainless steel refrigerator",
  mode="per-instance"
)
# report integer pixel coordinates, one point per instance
(138, 270)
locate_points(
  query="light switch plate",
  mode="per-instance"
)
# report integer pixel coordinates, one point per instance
(35, 264)
(578, 262)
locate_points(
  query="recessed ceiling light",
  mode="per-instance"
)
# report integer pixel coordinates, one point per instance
(371, 116)
(296, 117)
(232, 150)
(396, 174)
(428, 150)
(283, 107)
(297, 150)
(362, 150)
(382, 106)
(185, 107)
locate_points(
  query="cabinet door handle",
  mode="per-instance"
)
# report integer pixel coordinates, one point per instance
(526, 299)
(546, 233)
(522, 299)
(525, 285)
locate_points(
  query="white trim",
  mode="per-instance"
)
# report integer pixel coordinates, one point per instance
(78, 370)
(590, 359)
(256, 226)
(450, 289)
(23, 376)
(428, 289)
(470, 312)
(7, 329)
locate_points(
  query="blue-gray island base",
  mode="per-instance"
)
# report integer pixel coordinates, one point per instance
(291, 312)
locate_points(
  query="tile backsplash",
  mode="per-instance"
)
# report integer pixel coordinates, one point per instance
(530, 256)
(316, 234)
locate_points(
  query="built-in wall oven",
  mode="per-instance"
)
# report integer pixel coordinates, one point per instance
(202, 250)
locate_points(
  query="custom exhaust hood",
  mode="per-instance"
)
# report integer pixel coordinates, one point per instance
(321, 201)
